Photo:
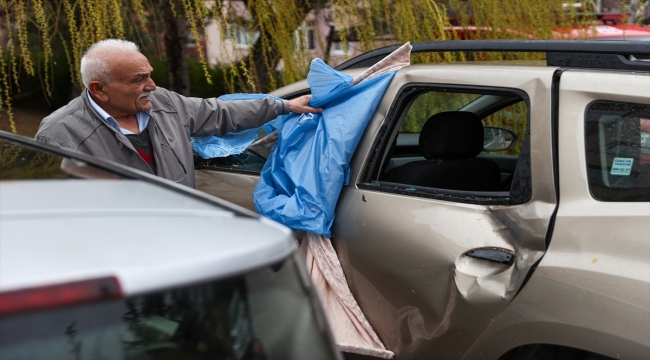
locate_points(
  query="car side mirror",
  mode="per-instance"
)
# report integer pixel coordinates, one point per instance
(498, 139)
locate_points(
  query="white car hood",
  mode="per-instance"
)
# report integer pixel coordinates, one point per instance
(54, 231)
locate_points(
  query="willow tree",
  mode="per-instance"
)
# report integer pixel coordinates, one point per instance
(30, 28)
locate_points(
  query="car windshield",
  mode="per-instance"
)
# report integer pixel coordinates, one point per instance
(23, 162)
(266, 314)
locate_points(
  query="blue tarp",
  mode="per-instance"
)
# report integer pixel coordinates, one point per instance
(302, 179)
(235, 142)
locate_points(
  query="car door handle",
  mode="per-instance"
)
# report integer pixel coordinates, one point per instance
(497, 255)
(484, 262)
(485, 273)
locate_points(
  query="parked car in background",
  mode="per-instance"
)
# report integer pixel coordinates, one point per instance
(605, 26)
(99, 261)
(496, 210)
(609, 31)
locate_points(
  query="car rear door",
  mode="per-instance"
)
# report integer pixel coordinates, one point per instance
(232, 178)
(430, 267)
(594, 280)
(600, 247)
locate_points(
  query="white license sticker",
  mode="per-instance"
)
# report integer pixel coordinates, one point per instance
(622, 166)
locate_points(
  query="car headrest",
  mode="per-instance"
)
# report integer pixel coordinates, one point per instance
(451, 135)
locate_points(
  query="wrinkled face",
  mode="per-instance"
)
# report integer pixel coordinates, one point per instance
(129, 91)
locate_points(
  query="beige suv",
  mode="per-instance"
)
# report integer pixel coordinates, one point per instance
(497, 210)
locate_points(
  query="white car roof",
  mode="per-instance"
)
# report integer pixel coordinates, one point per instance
(149, 237)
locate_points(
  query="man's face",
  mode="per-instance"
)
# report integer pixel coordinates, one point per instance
(128, 93)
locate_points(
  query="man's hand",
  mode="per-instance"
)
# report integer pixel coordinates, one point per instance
(300, 105)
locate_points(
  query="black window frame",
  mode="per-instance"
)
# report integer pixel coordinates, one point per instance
(401, 103)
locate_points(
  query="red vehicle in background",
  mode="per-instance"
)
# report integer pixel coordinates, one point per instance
(620, 32)
(606, 26)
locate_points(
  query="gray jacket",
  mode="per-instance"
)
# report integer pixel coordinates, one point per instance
(174, 118)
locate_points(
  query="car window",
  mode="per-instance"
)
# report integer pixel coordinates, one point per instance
(22, 162)
(618, 151)
(251, 161)
(431, 102)
(265, 314)
(476, 145)
(512, 117)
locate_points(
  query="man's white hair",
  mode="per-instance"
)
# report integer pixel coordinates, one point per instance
(94, 64)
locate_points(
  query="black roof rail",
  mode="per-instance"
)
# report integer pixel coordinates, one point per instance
(590, 54)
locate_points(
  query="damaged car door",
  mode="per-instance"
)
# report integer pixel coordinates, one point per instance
(432, 264)
(437, 235)
(232, 178)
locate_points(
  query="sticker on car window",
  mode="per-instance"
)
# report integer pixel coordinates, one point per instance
(622, 166)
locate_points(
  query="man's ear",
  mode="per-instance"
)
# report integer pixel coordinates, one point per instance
(98, 90)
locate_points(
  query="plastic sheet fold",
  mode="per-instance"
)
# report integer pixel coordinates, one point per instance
(233, 143)
(302, 179)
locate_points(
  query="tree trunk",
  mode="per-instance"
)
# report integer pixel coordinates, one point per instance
(175, 39)
(328, 46)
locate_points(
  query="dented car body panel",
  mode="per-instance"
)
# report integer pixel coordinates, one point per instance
(442, 276)
(592, 288)
(409, 251)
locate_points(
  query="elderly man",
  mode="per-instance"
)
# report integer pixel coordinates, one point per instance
(123, 117)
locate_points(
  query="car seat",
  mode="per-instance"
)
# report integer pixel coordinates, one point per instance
(450, 142)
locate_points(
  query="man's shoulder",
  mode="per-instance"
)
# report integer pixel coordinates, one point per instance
(68, 125)
(166, 100)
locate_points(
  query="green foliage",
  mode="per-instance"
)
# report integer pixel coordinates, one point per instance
(520, 19)
(29, 91)
(431, 103)
(33, 28)
(199, 85)
(18, 162)
(159, 74)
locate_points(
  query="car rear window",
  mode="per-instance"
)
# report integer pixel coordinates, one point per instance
(266, 314)
(22, 162)
(618, 151)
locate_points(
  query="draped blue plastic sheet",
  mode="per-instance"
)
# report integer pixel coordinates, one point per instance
(235, 142)
(302, 179)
